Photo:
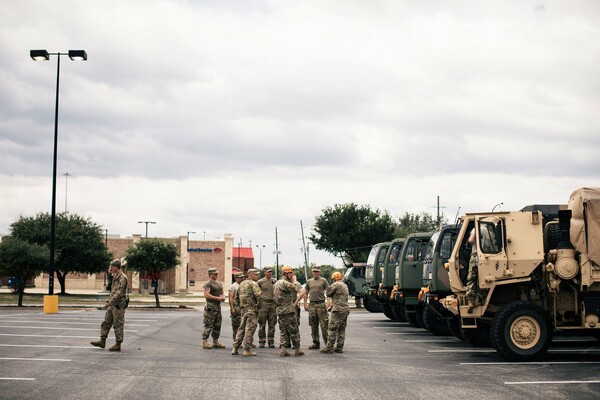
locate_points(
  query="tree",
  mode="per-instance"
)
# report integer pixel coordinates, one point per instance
(349, 231)
(79, 244)
(412, 223)
(22, 260)
(152, 256)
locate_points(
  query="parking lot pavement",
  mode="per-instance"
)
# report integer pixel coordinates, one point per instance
(48, 356)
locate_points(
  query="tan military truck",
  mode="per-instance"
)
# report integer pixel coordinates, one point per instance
(537, 274)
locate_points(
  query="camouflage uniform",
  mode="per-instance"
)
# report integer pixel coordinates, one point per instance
(285, 294)
(317, 312)
(338, 291)
(473, 292)
(212, 311)
(266, 312)
(115, 313)
(236, 317)
(249, 295)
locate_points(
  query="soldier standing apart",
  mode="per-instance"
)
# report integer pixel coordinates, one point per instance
(338, 291)
(213, 293)
(234, 303)
(115, 308)
(317, 309)
(286, 299)
(267, 312)
(250, 297)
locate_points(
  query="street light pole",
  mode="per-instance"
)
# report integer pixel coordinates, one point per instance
(146, 222)
(66, 175)
(187, 265)
(39, 55)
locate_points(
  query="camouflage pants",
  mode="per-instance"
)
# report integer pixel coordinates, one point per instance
(245, 333)
(236, 319)
(267, 314)
(317, 316)
(473, 278)
(114, 318)
(288, 330)
(212, 321)
(336, 334)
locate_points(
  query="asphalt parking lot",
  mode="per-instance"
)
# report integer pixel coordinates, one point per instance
(48, 356)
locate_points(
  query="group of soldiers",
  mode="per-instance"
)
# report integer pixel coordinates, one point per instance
(264, 302)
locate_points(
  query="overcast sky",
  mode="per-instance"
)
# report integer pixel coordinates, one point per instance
(237, 117)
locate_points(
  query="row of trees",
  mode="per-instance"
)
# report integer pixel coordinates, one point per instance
(349, 230)
(79, 248)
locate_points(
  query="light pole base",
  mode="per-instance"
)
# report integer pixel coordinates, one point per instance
(50, 304)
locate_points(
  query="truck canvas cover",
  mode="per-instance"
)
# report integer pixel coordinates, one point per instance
(585, 223)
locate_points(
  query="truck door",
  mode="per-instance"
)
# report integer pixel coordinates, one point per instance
(491, 250)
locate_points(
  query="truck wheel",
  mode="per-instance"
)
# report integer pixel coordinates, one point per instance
(372, 305)
(413, 320)
(387, 311)
(455, 328)
(476, 337)
(399, 312)
(434, 322)
(520, 331)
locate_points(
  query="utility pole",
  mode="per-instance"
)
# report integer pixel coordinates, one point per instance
(304, 251)
(66, 175)
(276, 255)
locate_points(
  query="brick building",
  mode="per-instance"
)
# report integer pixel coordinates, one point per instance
(195, 258)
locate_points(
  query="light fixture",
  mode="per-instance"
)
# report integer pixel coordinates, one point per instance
(39, 55)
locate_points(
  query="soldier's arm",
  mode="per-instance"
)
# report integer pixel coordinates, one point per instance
(257, 294)
(231, 302)
(305, 296)
(118, 292)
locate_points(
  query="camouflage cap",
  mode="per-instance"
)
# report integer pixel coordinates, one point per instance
(267, 269)
(212, 271)
(115, 263)
(239, 274)
(316, 268)
(253, 271)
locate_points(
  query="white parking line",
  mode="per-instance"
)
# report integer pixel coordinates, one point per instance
(550, 382)
(4, 378)
(48, 346)
(408, 333)
(448, 340)
(34, 359)
(61, 322)
(388, 327)
(62, 329)
(49, 336)
(463, 351)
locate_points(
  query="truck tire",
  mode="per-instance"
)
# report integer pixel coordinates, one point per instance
(520, 331)
(434, 323)
(372, 305)
(455, 328)
(413, 319)
(400, 312)
(478, 337)
(387, 311)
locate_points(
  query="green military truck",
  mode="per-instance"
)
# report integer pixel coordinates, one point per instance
(354, 278)
(375, 262)
(409, 277)
(536, 275)
(385, 293)
(435, 317)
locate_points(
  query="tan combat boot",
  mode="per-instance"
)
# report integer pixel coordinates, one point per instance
(116, 347)
(338, 350)
(314, 346)
(206, 345)
(283, 352)
(234, 352)
(327, 350)
(471, 305)
(100, 343)
(298, 352)
(248, 353)
(217, 345)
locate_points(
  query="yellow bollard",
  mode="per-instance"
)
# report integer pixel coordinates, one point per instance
(50, 304)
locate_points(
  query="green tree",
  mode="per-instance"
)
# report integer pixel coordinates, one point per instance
(152, 256)
(412, 223)
(79, 244)
(22, 260)
(349, 231)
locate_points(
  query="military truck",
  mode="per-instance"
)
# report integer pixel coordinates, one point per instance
(409, 278)
(537, 274)
(385, 293)
(375, 262)
(354, 278)
(435, 317)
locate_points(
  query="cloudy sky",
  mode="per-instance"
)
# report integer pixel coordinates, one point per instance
(224, 116)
